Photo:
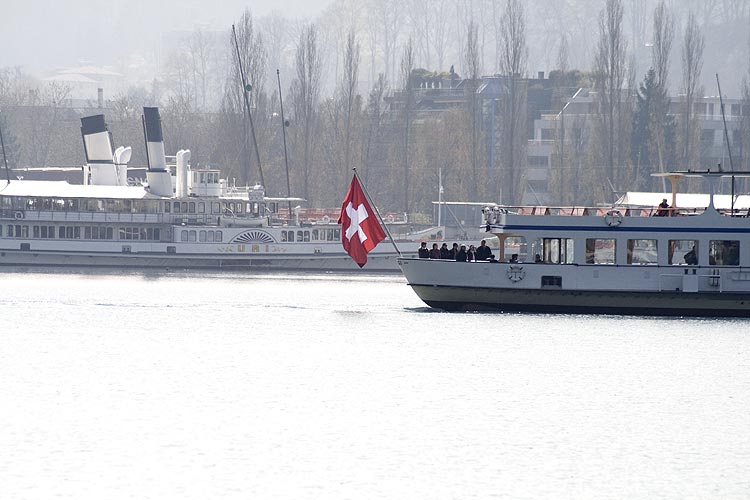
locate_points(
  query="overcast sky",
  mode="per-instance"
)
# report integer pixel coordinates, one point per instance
(42, 35)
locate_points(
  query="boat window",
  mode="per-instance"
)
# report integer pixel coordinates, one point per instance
(724, 253)
(642, 252)
(600, 251)
(201, 208)
(290, 235)
(177, 207)
(683, 252)
(192, 235)
(556, 251)
(216, 207)
(167, 206)
(203, 178)
(210, 236)
(35, 232)
(202, 236)
(50, 231)
(24, 231)
(336, 234)
(61, 232)
(1, 230)
(314, 234)
(87, 233)
(77, 232)
(516, 245)
(218, 236)
(300, 236)
(283, 236)
(551, 281)
(184, 207)
(184, 235)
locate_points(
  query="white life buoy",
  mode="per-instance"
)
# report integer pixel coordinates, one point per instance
(326, 219)
(613, 218)
(18, 215)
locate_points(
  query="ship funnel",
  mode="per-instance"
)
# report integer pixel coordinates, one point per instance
(97, 146)
(154, 140)
(158, 177)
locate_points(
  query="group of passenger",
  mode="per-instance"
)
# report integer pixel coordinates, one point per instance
(456, 252)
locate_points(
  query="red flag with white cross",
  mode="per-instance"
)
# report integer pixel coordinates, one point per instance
(360, 229)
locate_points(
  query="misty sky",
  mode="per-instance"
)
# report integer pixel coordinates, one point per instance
(43, 35)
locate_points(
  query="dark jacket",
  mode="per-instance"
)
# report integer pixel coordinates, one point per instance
(424, 253)
(461, 256)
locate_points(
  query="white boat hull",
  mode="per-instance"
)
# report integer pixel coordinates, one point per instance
(654, 290)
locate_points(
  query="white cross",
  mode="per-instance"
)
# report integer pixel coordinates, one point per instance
(357, 217)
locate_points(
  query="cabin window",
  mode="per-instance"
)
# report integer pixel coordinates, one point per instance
(216, 207)
(203, 178)
(515, 245)
(184, 207)
(10, 231)
(300, 236)
(35, 231)
(191, 207)
(192, 236)
(600, 251)
(24, 231)
(201, 208)
(210, 236)
(202, 236)
(176, 207)
(642, 252)
(1, 230)
(724, 253)
(167, 206)
(556, 251)
(290, 236)
(218, 236)
(184, 235)
(682, 252)
(314, 234)
(283, 236)
(87, 233)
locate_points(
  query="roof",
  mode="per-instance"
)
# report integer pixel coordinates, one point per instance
(62, 189)
(684, 200)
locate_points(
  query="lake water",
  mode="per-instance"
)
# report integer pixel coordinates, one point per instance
(196, 385)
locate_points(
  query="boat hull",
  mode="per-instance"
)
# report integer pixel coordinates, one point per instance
(455, 286)
(451, 298)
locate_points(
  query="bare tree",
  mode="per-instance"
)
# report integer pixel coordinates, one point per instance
(305, 96)
(407, 77)
(473, 112)
(610, 75)
(692, 65)
(348, 96)
(512, 64)
(663, 35)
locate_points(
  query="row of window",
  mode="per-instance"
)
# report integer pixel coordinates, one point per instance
(128, 206)
(637, 251)
(312, 235)
(78, 232)
(203, 236)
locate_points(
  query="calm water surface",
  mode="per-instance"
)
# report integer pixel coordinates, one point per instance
(198, 385)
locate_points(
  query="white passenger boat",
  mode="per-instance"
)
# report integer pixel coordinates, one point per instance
(182, 217)
(618, 260)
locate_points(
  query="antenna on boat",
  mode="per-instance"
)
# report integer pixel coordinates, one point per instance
(5, 156)
(284, 125)
(245, 89)
(726, 137)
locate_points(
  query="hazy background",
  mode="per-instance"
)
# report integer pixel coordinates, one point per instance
(45, 35)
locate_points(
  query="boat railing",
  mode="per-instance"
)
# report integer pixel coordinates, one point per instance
(602, 211)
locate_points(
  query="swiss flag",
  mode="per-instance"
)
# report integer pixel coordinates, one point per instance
(360, 230)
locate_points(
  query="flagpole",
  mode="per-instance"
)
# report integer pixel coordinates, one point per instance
(377, 212)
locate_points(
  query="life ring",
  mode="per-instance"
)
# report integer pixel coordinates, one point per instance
(326, 219)
(18, 215)
(613, 218)
(389, 218)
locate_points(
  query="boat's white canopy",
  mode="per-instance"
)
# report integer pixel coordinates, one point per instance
(62, 189)
(684, 200)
